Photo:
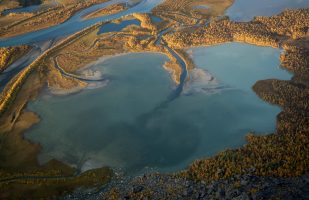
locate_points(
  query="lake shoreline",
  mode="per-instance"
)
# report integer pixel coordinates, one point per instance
(292, 124)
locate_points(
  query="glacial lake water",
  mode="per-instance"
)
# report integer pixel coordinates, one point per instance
(115, 27)
(246, 10)
(76, 23)
(125, 125)
(156, 19)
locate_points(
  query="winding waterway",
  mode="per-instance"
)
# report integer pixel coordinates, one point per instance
(76, 23)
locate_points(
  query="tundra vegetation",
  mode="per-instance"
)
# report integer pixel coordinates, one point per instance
(112, 9)
(8, 4)
(192, 12)
(281, 154)
(286, 152)
(19, 23)
(20, 170)
(10, 55)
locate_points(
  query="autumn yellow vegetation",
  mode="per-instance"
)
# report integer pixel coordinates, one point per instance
(112, 9)
(286, 152)
(10, 54)
(187, 11)
(285, 155)
(42, 19)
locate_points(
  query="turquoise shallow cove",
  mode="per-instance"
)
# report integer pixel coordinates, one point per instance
(121, 124)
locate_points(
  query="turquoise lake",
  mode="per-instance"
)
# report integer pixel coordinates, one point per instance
(129, 124)
(246, 10)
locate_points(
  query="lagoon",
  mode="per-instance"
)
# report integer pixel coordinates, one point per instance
(130, 125)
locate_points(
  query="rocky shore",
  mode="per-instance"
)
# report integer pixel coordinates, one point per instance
(160, 186)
